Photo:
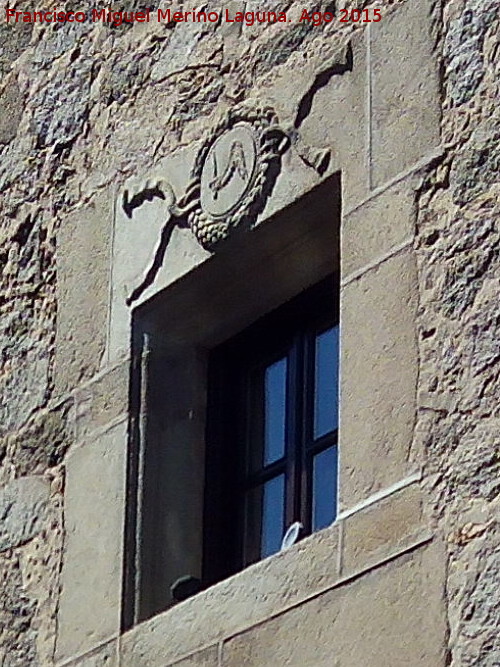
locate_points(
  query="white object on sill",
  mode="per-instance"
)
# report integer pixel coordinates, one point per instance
(291, 535)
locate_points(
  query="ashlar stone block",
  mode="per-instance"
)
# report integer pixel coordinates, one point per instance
(326, 101)
(104, 656)
(207, 658)
(383, 529)
(405, 96)
(393, 616)
(103, 400)
(249, 597)
(379, 367)
(142, 208)
(378, 226)
(83, 272)
(339, 121)
(94, 505)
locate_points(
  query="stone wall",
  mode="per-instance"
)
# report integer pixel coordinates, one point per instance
(458, 246)
(85, 107)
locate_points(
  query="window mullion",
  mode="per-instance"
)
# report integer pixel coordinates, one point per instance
(299, 397)
(307, 388)
(293, 424)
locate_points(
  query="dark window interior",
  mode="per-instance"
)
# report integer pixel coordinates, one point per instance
(272, 432)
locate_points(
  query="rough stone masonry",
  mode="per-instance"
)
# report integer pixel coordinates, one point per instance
(83, 106)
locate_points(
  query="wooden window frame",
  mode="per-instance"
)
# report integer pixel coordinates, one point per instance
(293, 327)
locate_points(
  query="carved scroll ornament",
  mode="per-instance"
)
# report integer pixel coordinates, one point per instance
(231, 180)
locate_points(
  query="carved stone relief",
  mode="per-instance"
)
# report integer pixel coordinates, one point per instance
(231, 180)
(228, 170)
(234, 173)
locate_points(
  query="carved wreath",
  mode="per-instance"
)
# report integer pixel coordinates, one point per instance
(270, 142)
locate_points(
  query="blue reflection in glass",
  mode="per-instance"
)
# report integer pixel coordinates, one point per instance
(326, 382)
(275, 411)
(273, 508)
(324, 488)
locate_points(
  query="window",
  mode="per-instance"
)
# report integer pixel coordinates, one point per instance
(233, 395)
(272, 432)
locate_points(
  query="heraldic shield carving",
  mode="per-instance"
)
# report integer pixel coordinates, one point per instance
(236, 170)
(231, 180)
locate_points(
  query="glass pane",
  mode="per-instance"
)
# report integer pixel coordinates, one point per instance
(265, 519)
(324, 488)
(326, 395)
(275, 411)
(273, 516)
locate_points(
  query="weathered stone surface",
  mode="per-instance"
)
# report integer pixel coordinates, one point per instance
(458, 257)
(105, 656)
(11, 103)
(40, 563)
(122, 79)
(60, 40)
(344, 98)
(463, 48)
(17, 610)
(207, 658)
(92, 562)
(93, 116)
(27, 313)
(58, 125)
(342, 626)
(102, 400)
(23, 507)
(14, 42)
(381, 530)
(473, 577)
(29, 578)
(83, 291)
(378, 226)
(475, 168)
(378, 378)
(43, 443)
(244, 600)
(185, 49)
(405, 90)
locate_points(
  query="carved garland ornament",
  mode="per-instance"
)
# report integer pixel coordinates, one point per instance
(235, 172)
(231, 181)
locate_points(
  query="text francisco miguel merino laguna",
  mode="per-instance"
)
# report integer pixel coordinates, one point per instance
(168, 16)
